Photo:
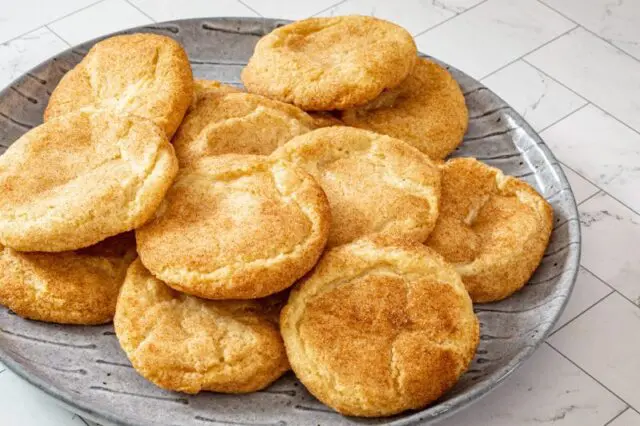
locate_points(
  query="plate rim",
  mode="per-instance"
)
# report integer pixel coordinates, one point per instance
(455, 404)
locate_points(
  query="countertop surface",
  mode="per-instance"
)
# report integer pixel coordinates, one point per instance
(570, 67)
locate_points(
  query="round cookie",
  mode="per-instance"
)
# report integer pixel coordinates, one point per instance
(236, 227)
(379, 327)
(493, 228)
(322, 64)
(76, 287)
(427, 111)
(187, 344)
(78, 179)
(375, 184)
(147, 75)
(237, 123)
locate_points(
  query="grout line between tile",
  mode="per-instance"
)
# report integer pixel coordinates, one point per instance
(564, 116)
(529, 52)
(578, 94)
(55, 20)
(250, 8)
(599, 191)
(524, 59)
(616, 118)
(617, 415)
(610, 286)
(22, 35)
(140, 10)
(327, 8)
(448, 19)
(590, 32)
(597, 186)
(586, 372)
(58, 35)
(582, 313)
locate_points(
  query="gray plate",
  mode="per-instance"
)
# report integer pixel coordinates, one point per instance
(84, 367)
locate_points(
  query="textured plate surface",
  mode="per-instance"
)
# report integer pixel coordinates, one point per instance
(85, 368)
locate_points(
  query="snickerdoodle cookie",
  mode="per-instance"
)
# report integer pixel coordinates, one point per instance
(375, 184)
(75, 287)
(493, 228)
(202, 88)
(80, 178)
(187, 344)
(236, 227)
(323, 64)
(427, 110)
(379, 327)
(147, 75)
(237, 123)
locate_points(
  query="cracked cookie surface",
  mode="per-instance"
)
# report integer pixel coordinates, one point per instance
(187, 344)
(493, 228)
(379, 327)
(375, 184)
(427, 110)
(78, 179)
(224, 122)
(236, 227)
(322, 64)
(147, 75)
(75, 287)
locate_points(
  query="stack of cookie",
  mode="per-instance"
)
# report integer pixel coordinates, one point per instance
(327, 174)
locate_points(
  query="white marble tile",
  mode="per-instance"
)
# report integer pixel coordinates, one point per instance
(103, 18)
(582, 188)
(24, 53)
(289, 9)
(628, 418)
(587, 291)
(493, 34)
(601, 149)
(562, 395)
(415, 15)
(539, 99)
(616, 21)
(457, 6)
(604, 342)
(20, 17)
(22, 404)
(166, 10)
(610, 236)
(598, 71)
